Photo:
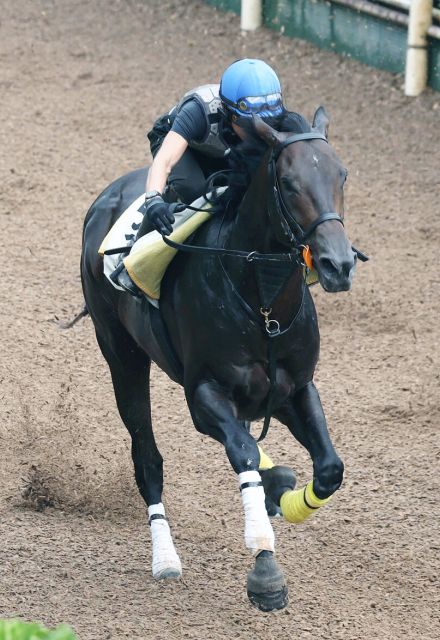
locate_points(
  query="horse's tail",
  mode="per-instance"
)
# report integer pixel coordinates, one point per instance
(84, 312)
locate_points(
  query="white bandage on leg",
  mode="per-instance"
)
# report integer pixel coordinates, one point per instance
(258, 532)
(166, 562)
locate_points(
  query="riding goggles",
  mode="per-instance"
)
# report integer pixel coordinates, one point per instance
(269, 105)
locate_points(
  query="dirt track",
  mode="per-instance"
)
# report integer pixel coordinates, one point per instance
(80, 84)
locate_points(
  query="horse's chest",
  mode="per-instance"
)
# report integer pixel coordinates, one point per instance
(251, 387)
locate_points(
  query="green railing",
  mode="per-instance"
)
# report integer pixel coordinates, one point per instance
(374, 41)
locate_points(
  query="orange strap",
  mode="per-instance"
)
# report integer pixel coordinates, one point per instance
(307, 257)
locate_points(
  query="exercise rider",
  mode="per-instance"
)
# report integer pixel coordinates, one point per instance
(192, 141)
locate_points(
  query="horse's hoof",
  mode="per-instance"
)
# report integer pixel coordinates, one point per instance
(276, 481)
(266, 588)
(166, 570)
(273, 511)
(269, 601)
(168, 573)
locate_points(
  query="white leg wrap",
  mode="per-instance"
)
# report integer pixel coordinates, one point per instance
(258, 532)
(166, 562)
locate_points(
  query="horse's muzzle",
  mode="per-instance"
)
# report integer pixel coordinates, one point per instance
(336, 273)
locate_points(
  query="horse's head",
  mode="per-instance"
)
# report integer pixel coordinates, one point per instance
(307, 207)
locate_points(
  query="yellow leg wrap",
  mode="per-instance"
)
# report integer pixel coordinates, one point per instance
(265, 461)
(298, 505)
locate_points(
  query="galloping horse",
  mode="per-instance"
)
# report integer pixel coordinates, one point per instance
(247, 337)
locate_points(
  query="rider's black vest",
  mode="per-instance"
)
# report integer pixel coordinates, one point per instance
(207, 96)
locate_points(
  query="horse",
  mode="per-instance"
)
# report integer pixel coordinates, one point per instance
(243, 325)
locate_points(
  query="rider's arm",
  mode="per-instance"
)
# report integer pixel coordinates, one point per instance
(172, 149)
(189, 124)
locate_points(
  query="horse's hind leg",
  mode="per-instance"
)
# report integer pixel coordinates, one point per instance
(130, 370)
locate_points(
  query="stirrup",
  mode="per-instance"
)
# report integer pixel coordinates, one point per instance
(121, 277)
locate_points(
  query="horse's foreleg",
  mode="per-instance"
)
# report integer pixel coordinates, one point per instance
(304, 416)
(130, 370)
(215, 415)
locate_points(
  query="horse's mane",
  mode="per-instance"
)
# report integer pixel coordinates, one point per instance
(245, 158)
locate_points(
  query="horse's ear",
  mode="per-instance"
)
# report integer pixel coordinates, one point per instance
(265, 132)
(321, 121)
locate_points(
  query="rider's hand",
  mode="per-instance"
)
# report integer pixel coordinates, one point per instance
(161, 214)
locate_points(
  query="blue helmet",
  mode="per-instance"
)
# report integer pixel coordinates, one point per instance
(250, 86)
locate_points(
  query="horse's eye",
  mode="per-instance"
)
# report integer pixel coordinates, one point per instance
(290, 185)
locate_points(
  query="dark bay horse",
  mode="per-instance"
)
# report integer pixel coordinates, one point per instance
(222, 331)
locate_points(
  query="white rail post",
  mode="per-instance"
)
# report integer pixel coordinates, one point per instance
(251, 14)
(416, 71)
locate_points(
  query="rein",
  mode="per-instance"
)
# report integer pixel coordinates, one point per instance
(252, 256)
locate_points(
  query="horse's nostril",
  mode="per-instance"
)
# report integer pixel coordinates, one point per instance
(328, 266)
(347, 267)
(332, 268)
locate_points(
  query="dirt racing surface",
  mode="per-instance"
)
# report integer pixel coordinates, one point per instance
(80, 85)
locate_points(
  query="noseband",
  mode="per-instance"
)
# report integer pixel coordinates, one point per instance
(277, 206)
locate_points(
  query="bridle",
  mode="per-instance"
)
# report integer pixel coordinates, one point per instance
(277, 205)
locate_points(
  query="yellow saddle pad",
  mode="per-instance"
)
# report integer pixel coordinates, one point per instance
(150, 256)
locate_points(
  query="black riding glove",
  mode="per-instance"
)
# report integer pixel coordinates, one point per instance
(161, 214)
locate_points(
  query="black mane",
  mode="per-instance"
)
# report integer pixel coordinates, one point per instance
(245, 158)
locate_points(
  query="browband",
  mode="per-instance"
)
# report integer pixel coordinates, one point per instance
(311, 135)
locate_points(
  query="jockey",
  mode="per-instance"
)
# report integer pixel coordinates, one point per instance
(192, 141)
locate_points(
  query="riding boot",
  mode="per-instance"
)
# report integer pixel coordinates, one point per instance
(121, 277)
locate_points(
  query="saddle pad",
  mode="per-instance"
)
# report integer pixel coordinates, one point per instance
(123, 231)
(310, 276)
(149, 256)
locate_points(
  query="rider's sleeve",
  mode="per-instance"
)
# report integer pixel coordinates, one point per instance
(190, 122)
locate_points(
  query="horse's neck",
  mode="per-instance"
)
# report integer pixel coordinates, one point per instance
(251, 231)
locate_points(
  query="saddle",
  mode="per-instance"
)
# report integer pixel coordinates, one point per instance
(149, 257)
